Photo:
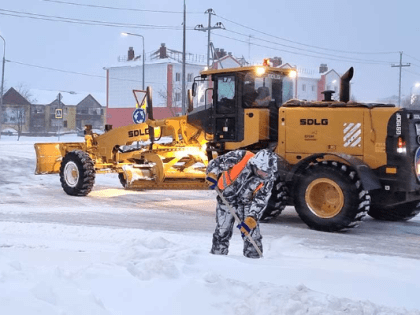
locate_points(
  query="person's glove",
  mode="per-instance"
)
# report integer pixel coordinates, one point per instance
(211, 180)
(247, 225)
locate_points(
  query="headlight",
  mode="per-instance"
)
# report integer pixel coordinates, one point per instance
(417, 163)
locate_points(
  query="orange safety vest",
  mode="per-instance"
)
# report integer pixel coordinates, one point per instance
(229, 176)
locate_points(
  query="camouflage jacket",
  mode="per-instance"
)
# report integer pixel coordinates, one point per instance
(243, 191)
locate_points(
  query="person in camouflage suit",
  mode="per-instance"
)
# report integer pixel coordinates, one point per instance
(246, 181)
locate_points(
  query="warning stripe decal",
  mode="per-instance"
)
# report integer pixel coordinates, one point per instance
(352, 134)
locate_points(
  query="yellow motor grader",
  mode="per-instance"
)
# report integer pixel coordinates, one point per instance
(338, 160)
(156, 154)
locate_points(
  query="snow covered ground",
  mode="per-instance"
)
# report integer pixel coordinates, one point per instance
(75, 267)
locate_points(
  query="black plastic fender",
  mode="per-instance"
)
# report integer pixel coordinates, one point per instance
(368, 178)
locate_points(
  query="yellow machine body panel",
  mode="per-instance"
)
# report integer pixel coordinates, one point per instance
(356, 131)
(322, 130)
(376, 120)
(256, 128)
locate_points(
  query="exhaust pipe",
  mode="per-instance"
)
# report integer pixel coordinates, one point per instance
(345, 85)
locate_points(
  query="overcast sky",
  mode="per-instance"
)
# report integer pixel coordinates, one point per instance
(341, 33)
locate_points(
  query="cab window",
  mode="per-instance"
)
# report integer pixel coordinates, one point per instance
(262, 90)
(225, 95)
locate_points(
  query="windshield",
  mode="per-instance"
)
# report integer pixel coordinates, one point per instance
(202, 98)
(257, 90)
(261, 90)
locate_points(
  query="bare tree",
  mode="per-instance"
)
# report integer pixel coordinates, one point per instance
(20, 121)
(176, 99)
(24, 91)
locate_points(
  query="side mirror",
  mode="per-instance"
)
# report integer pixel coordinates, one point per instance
(194, 89)
(190, 101)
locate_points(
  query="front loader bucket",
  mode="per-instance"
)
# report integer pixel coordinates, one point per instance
(49, 156)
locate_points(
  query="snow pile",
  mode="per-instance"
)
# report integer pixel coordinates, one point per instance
(58, 269)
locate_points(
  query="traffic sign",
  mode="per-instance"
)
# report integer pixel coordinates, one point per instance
(139, 116)
(58, 113)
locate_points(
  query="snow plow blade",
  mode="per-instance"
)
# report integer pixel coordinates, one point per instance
(150, 176)
(49, 156)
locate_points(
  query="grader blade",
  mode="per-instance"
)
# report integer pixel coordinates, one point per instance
(133, 173)
(177, 172)
(170, 183)
(48, 158)
(49, 155)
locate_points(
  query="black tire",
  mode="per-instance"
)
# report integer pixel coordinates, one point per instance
(329, 197)
(402, 212)
(122, 179)
(77, 173)
(277, 201)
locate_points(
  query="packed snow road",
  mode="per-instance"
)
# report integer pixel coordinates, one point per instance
(116, 251)
(26, 197)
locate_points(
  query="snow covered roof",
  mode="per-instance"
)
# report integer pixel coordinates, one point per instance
(45, 97)
(14, 97)
(139, 63)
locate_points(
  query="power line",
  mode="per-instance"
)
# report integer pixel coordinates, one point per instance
(83, 22)
(312, 51)
(297, 53)
(312, 46)
(412, 57)
(412, 72)
(74, 72)
(117, 8)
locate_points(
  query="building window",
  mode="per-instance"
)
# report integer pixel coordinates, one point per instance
(177, 97)
(65, 124)
(177, 76)
(303, 87)
(313, 88)
(190, 77)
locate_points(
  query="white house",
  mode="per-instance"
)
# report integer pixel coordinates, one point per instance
(309, 84)
(162, 72)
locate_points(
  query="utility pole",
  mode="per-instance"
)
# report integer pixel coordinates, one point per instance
(2, 82)
(249, 48)
(183, 61)
(200, 27)
(400, 65)
(60, 118)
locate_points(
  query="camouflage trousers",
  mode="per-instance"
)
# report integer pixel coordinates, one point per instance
(224, 230)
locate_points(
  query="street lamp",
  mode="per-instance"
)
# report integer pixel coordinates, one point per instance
(131, 34)
(416, 85)
(294, 75)
(2, 82)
